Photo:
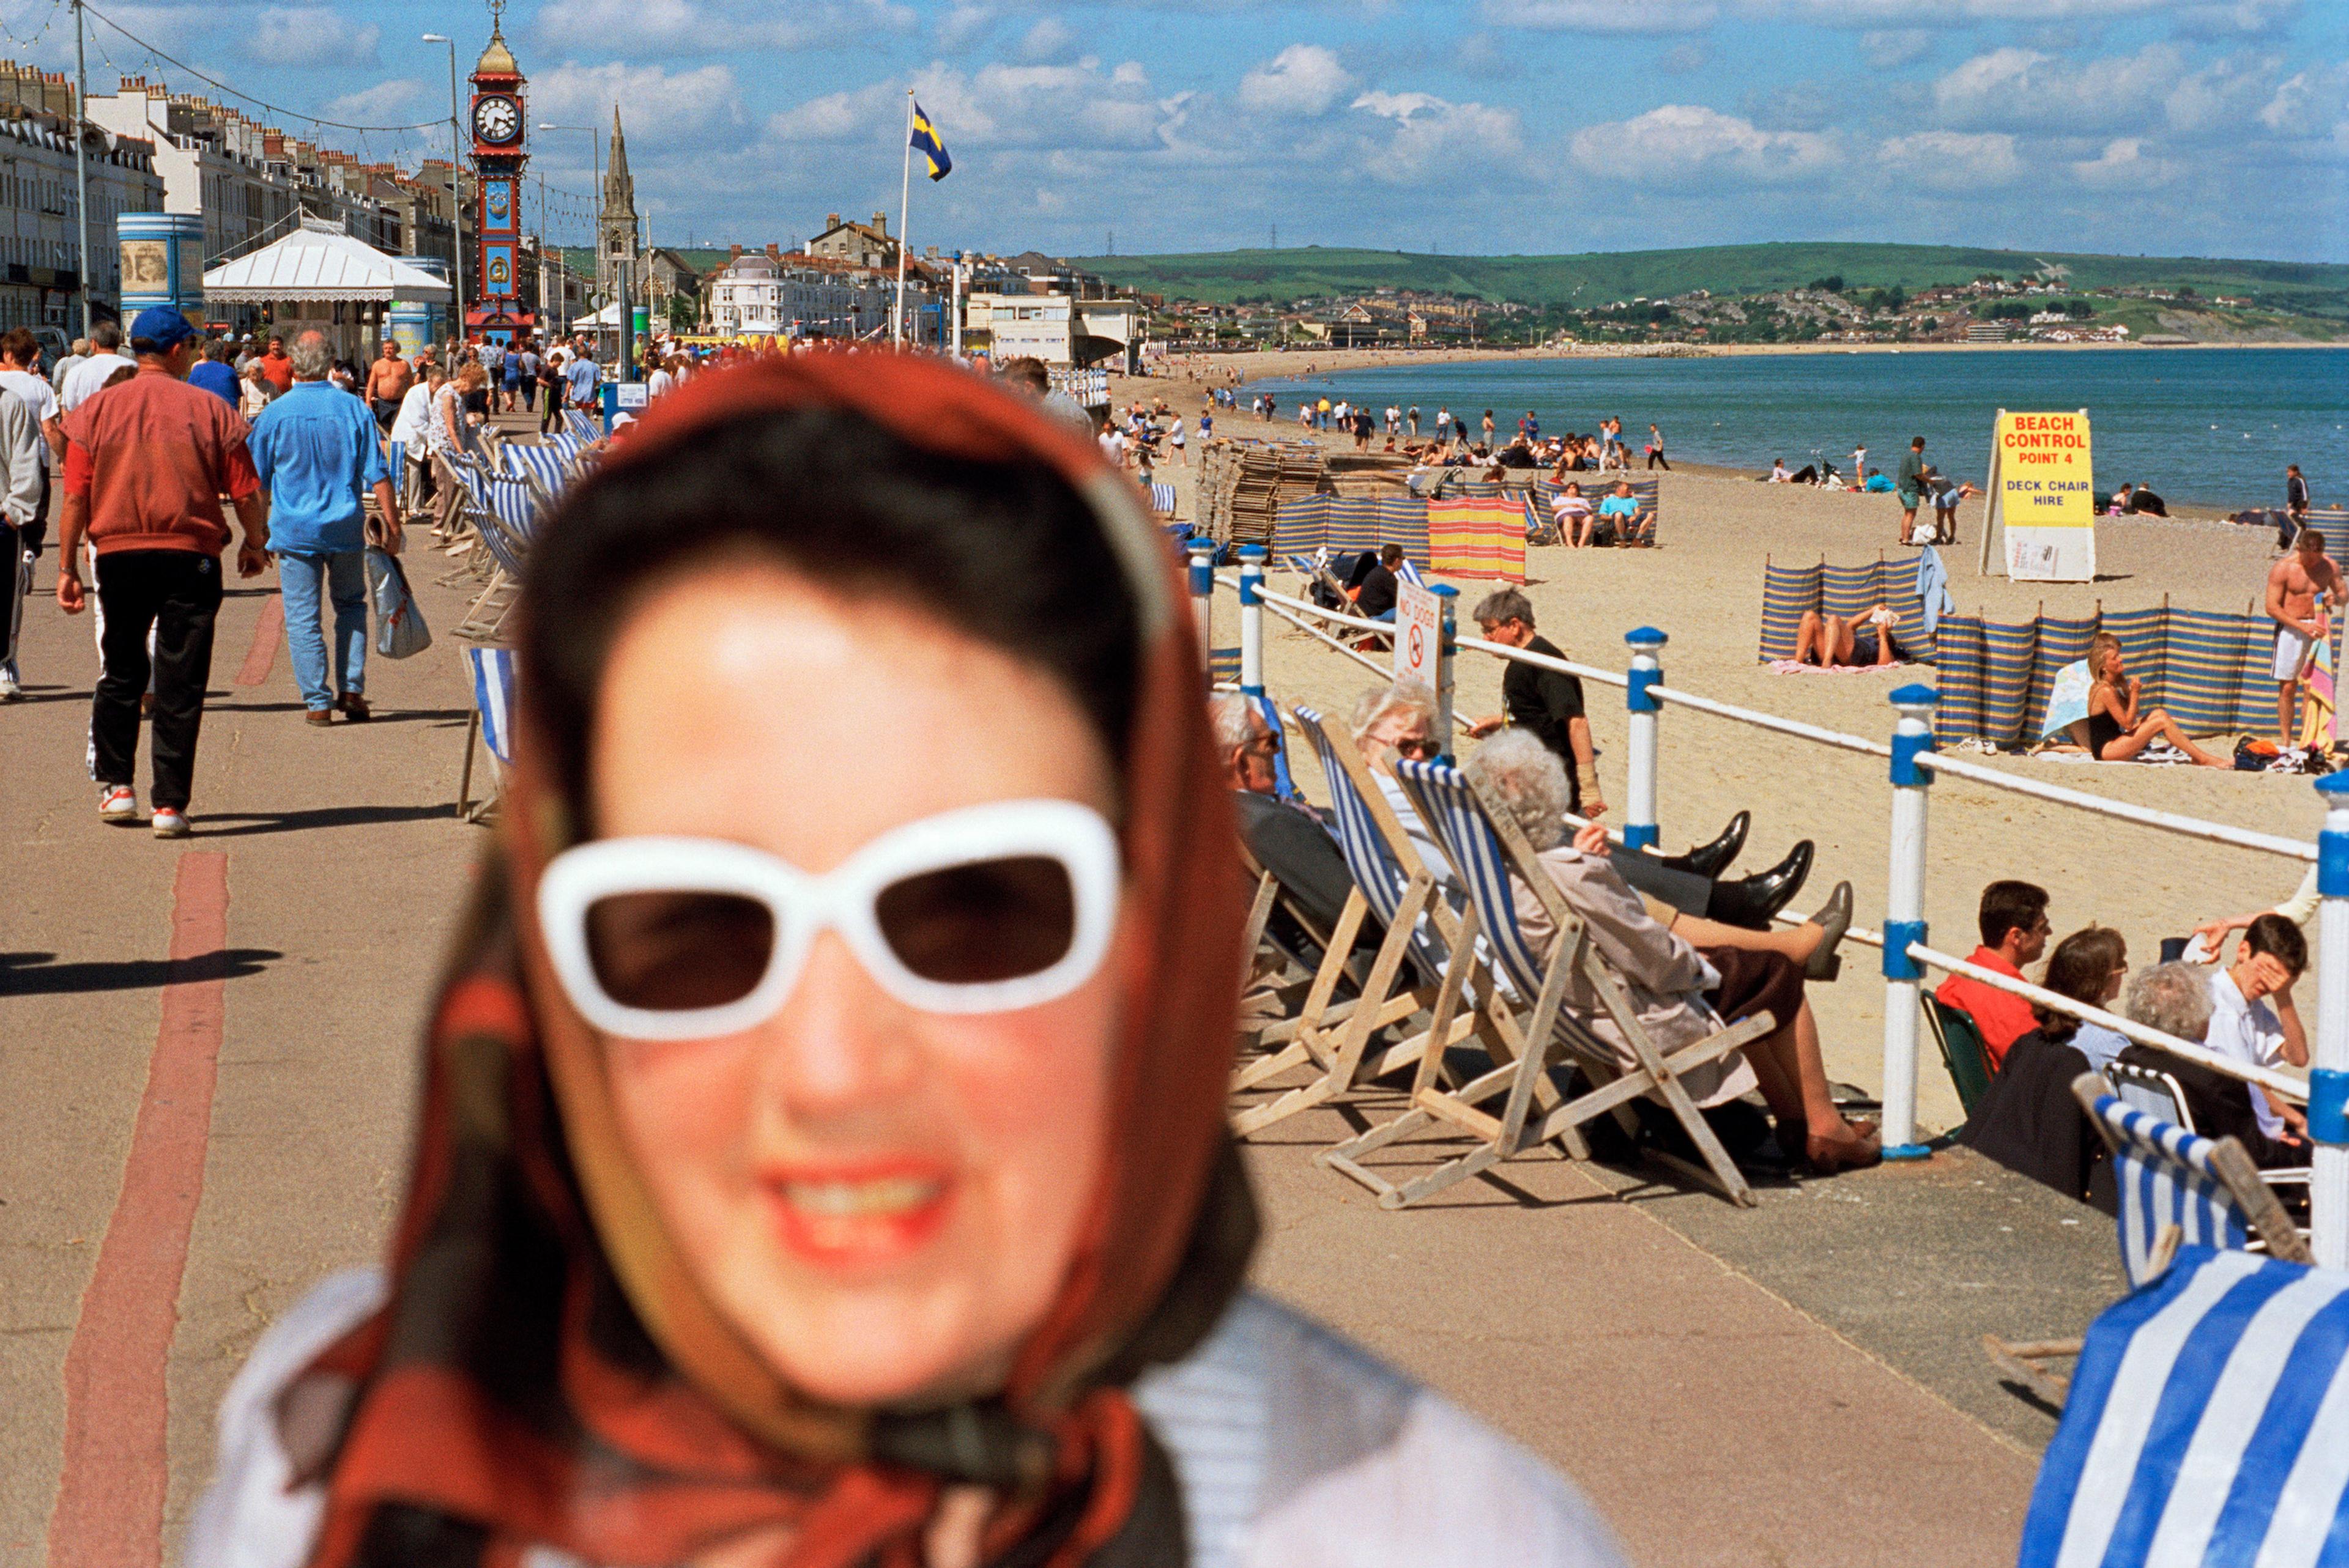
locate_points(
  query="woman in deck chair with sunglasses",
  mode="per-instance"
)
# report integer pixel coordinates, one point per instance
(822, 1156)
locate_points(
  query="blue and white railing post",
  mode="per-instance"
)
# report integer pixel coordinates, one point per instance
(1904, 920)
(1447, 605)
(1202, 596)
(1252, 559)
(2328, 1076)
(1639, 830)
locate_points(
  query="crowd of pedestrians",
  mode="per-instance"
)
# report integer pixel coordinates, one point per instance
(189, 446)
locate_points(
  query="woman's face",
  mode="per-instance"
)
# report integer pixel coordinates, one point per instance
(883, 1201)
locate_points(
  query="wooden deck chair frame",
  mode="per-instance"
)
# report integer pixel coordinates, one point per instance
(1529, 1048)
(1329, 1033)
(468, 809)
(2031, 1362)
(1290, 978)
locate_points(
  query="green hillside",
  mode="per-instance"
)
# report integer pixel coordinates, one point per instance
(1603, 277)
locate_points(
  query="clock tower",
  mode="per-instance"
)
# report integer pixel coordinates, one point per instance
(498, 122)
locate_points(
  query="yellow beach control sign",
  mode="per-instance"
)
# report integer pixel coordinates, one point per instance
(2042, 488)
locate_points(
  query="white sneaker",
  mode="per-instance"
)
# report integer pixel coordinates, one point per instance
(9, 689)
(115, 803)
(171, 822)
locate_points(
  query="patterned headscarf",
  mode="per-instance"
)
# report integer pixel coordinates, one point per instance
(547, 1371)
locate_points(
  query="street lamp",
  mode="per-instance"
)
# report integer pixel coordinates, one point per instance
(595, 150)
(456, 182)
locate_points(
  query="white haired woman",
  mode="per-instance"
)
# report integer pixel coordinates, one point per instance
(1685, 979)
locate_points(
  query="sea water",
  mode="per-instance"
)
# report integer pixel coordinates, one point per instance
(2211, 426)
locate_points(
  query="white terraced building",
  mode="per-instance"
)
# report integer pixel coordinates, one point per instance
(763, 294)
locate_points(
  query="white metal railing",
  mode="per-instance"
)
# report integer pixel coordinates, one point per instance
(1906, 953)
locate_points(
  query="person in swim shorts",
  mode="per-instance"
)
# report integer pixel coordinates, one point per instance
(2299, 588)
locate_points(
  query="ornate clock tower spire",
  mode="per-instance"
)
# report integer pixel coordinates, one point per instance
(499, 121)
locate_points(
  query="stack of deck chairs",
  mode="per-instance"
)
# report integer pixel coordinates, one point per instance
(509, 487)
(1242, 485)
(2210, 668)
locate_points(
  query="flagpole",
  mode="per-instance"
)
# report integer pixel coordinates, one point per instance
(905, 200)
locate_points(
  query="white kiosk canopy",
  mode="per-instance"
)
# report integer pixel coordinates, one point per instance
(318, 262)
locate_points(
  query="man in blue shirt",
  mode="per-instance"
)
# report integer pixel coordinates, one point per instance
(1621, 512)
(317, 452)
(580, 376)
(215, 374)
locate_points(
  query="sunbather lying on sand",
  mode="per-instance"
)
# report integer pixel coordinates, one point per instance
(1830, 640)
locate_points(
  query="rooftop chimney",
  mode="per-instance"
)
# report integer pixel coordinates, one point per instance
(881, 224)
(733, 252)
(831, 220)
(773, 251)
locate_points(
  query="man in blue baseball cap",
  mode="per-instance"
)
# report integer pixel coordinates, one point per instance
(147, 462)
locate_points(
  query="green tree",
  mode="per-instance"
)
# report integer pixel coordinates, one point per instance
(1831, 283)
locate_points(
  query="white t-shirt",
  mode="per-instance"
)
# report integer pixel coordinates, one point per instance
(659, 383)
(2248, 1032)
(38, 396)
(1112, 446)
(410, 426)
(89, 378)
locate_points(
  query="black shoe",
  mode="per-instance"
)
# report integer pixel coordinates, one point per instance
(1711, 860)
(1750, 902)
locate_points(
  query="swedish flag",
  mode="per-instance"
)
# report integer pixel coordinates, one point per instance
(926, 143)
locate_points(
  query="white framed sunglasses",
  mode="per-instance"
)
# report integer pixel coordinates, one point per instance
(987, 909)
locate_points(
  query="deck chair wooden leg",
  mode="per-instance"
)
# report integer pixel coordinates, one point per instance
(1267, 890)
(465, 778)
(2021, 1361)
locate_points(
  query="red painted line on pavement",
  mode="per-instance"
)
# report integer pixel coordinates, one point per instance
(267, 633)
(109, 1510)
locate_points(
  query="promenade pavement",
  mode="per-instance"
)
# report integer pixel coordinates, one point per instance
(209, 1049)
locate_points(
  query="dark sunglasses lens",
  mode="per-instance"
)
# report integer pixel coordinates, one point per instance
(982, 922)
(671, 951)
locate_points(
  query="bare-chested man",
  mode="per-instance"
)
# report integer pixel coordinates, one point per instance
(2301, 583)
(388, 380)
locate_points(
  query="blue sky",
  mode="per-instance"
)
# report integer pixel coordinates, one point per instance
(2201, 127)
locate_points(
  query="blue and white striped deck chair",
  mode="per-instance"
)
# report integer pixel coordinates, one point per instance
(395, 457)
(573, 448)
(2207, 1423)
(1161, 498)
(585, 426)
(505, 513)
(2207, 1190)
(1484, 845)
(491, 670)
(1390, 882)
(542, 465)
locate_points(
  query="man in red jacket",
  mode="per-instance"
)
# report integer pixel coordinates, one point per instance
(2015, 930)
(147, 462)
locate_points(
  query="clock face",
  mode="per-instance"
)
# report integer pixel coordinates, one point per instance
(497, 119)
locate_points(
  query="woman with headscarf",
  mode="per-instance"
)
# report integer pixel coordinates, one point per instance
(823, 1158)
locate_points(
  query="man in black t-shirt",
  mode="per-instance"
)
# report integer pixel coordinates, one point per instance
(1547, 702)
(1376, 599)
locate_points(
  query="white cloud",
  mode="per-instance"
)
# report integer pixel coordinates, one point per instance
(395, 101)
(1302, 80)
(1050, 39)
(1690, 145)
(656, 106)
(1602, 16)
(310, 35)
(1884, 49)
(1074, 108)
(1944, 12)
(644, 27)
(1953, 159)
(2123, 166)
(1434, 135)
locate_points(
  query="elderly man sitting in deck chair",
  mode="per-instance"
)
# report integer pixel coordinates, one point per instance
(1287, 840)
(1399, 720)
(1684, 977)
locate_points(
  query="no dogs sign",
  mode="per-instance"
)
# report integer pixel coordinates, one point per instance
(1419, 633)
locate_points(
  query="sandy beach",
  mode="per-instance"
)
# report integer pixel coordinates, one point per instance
(1702, 586)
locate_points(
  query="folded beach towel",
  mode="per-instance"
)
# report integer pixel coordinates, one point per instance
(2159, 754)
(2067, 704)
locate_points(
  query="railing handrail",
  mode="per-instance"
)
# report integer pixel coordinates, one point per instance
(2121, 810)
(2191, 1050)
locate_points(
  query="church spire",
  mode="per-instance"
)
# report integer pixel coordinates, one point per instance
(619, 190)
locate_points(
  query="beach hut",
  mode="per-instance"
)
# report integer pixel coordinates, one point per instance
(318, 276)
